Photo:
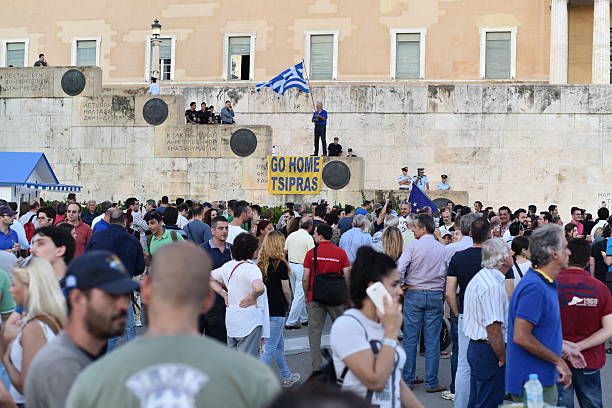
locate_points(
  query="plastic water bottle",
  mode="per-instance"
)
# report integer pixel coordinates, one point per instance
(534, 392)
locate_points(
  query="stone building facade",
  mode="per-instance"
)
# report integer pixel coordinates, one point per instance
(213, 42)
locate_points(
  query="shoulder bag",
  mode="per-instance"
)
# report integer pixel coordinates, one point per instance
(328, 288)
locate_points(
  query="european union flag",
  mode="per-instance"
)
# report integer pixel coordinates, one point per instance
(418, 200)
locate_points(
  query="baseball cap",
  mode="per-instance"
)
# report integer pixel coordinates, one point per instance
(207, 204)
(361, 211)
(6, 210)
(102, 270)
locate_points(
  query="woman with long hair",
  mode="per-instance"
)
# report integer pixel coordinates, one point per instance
(367, 355)
(571, 231)
(264, 227)
(392, 243)
(35, 288)
(275, 271)
(293, 225)
(210, 215)
(520, 256)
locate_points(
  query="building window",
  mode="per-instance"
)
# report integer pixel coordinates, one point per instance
(498, 53)
(408, 53)
(239, 58)
(86, 53)
(165, 59)
(15, 54)
(321, 52)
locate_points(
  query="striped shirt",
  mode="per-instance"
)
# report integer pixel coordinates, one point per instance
(485, 302)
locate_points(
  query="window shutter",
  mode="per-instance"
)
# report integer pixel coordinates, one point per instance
(15, 54)
(408, 56)
(498, 55)
(239, 46)
(322, 56)
(86, 53)
(165, 48)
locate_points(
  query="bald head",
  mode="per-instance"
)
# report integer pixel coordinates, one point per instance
(179, 276)
(116, 216)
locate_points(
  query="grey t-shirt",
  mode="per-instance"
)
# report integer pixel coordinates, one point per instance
(198, 232)
(175, 371)
(52, 372)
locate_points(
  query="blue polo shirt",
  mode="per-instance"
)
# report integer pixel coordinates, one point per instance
(320, 122)
(218, 257)
(7, 241)
(535, 299)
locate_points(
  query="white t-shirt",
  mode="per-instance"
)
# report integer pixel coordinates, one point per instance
(297, 244)
(239, 321)
(96, 220)
(181, 221)
(233, 231)
(348, 337)
(524, 268)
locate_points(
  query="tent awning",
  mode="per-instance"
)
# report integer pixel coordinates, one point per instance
(46, 187)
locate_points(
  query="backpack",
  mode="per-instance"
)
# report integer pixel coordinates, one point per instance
(150, 238)
(326, 377)
(30, 228)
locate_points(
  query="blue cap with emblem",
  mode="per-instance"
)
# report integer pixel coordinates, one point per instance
(102, 270)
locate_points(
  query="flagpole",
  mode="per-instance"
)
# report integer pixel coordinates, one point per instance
(309, 87)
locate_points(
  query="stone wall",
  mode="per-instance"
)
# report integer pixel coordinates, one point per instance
(503, 144)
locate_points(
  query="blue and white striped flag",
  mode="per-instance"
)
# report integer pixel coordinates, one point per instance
(290, 78)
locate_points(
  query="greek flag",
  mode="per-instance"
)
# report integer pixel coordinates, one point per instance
(290, 78)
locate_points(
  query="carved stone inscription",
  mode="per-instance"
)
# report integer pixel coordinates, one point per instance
(187, 141)
(27, 83)
(106, 111)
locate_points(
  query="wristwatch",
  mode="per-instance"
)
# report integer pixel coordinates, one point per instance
(389, 342)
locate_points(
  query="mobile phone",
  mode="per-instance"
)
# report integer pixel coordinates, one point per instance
(376, 292)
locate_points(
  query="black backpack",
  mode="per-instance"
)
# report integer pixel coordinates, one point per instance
(325, 377)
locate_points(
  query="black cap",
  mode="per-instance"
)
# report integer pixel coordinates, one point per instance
(421, 169)
(404, 168)
(102, 270)
(444, 176)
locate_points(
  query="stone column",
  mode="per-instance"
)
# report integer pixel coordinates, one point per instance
(601, 42)
(558, 42)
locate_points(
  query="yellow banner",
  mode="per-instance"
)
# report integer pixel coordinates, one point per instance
(294, 174)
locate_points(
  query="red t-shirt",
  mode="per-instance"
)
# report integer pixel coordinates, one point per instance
(583, 301)
(82, 233)
(330, 259)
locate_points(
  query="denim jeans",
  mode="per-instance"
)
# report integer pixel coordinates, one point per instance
(587, 385)
(298, 313)
(454, 321)
(423, 309)
(129, 333)
(274, 348)
(487, 377)
(462, 377)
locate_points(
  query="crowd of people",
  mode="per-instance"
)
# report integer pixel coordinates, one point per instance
(216, 285)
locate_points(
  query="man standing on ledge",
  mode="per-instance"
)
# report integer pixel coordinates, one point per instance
(320, 120)
(227, 114)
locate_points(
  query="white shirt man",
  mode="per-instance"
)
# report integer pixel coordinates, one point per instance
(298, 243)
